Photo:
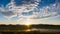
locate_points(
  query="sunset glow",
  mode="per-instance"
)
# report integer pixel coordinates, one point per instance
(28, 22)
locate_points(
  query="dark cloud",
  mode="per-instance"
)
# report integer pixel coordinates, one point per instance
(8, 13)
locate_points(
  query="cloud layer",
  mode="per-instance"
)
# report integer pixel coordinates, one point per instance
(12, 8)
(29, 9)
(48, 11)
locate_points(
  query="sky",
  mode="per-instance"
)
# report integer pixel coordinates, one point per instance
(30, 12)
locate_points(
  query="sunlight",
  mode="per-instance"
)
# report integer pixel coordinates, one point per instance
(28, 22)
(28, 30)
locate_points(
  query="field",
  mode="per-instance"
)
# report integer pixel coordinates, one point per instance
(31, 29)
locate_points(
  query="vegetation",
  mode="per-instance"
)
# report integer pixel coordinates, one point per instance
(23, 27)
(17, 29)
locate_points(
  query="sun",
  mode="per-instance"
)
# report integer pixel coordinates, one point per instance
(28, 23)
(28, 26)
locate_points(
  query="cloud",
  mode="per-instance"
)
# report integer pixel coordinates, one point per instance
(51, 10)
(26, 2)
(29, 10)
(11, 10)
(47, 11)
(6, 13)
